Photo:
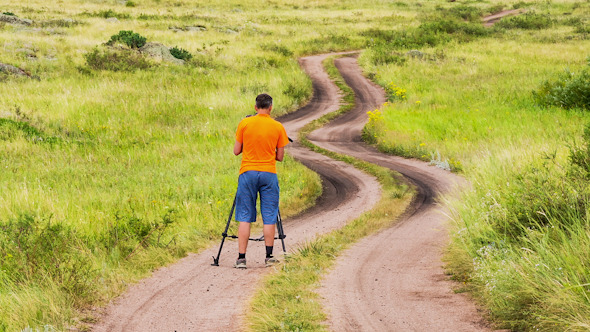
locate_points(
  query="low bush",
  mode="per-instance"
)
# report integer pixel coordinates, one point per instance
(9, 13)
(527, 21)
(129, 38)
(181, 53)
(382, 54)
(464, 12)
(569, 90)
(116, 60)
(453, 27)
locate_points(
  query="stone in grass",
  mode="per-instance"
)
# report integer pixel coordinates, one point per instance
(160, 52)
(11, 19)
(9, 69)
(415, 54)
(112, 20)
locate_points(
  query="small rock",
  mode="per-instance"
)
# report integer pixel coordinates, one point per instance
(112, 20)
(160, 52)
(196, 28)
(14, 20)
(13, 70)
(415, 54)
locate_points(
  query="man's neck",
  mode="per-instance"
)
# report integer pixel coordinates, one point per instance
(263, 111)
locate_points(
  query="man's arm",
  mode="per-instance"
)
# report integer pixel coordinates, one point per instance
(237, 148)
(280, 154)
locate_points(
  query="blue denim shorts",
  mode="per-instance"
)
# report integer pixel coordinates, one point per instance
(250, 184)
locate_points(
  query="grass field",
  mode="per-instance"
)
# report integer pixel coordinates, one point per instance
(107, 174)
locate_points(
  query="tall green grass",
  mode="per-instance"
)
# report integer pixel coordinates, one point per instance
(520, 234)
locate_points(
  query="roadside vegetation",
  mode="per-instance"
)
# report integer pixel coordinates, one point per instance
(508, 109)
(108, 172)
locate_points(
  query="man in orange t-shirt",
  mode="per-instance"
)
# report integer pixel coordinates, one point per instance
(261, 140)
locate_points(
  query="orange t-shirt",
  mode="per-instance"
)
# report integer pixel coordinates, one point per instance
(260, 136)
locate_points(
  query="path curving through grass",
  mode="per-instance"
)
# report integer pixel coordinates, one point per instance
(389, 281)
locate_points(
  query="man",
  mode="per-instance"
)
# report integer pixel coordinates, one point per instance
(261, 140)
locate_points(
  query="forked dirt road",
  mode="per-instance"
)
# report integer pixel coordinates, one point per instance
(392, 281)
(192, 295)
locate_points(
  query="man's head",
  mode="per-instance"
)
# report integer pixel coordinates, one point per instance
(263, 102)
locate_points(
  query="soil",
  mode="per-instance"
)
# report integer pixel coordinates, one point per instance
(490, 20)
(393, 280)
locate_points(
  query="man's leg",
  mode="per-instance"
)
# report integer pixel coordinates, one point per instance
(245, 212)
(243, 236)
(269, 235)
(269, 208)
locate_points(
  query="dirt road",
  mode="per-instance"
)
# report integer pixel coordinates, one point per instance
(388, 282)
(394, 280)
(192, 295)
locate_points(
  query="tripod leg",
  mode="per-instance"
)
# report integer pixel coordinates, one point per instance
(281, 231)
(224, 234)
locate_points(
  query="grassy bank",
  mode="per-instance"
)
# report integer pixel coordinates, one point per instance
(287, 299)
(467, 102)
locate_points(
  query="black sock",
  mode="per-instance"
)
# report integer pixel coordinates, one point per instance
(269, 251)
(240, 256)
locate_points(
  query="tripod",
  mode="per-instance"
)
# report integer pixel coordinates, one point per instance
(280, 230)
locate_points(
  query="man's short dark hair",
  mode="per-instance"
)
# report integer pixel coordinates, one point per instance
(263, 101)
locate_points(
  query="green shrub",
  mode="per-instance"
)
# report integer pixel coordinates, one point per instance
(130, 4)
(382, 54)
(129, 38)
(527, 21)
(464, 12)
(181, 53)
(9, 13)
(569, 90)
(453, 26)
(116, 60)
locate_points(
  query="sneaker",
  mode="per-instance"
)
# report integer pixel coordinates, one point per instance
(270, 261)
(240, 263)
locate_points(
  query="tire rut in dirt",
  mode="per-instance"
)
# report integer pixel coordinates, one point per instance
(192, 295)
(393, 280)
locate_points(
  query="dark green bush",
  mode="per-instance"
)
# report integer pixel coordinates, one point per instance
(9, 13)
(181, 53)
(116, 60)
(527, 21)
(129, 38)
(464, 12)
(382, 54)
(453, 27)
(130, 3)
(569, 90)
